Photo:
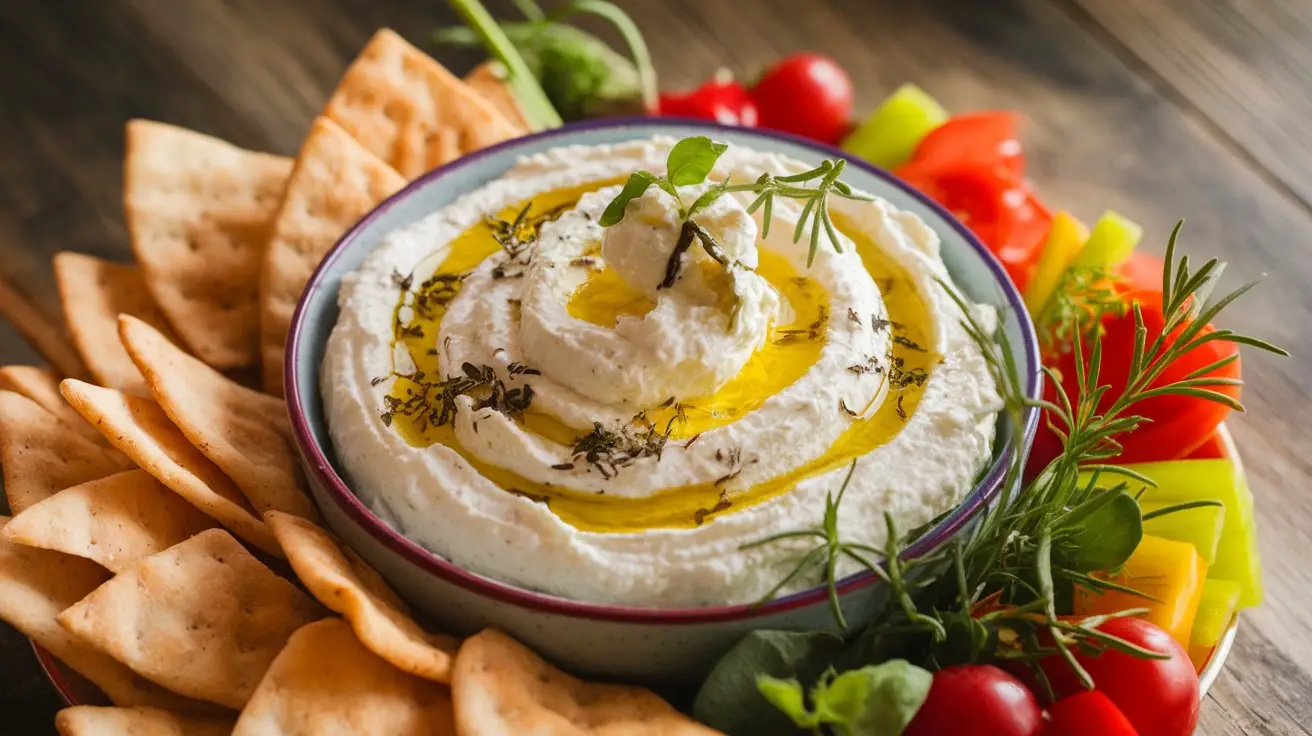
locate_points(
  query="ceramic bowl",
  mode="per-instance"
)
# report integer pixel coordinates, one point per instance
(634, 644)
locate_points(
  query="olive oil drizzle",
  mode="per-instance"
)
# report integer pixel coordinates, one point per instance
(905, 371)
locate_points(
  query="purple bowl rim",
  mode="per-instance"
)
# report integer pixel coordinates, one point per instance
(340, 493)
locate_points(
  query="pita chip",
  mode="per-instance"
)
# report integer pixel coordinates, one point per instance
(203, 618)
(197, 210)
(35, 586)
(42, 386)
(348, 585)
(41, 454)
(94, 292)
(489, 81)
(114, 521)
(499, 686)
(86, 720)
(140, 429)
(326, 682)
(336, 182)
(411, 112)
(242, 431)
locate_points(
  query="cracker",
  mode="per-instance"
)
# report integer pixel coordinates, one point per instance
(140, 428)
(35, 585)
(94, 292)
(411, 112)
(336, 182)
(348, 585)
(489, 81)
(41, 454)
(197, 210)
(499, 686)
(326, 682)
(203, 618)
(113, 521)
(243, 432)
(48, 338)
(42, 386)
(86, 720)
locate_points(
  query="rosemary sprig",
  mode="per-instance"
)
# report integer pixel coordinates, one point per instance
(689, 163)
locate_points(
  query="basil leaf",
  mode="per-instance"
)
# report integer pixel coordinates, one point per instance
(692, 159)
(1101, 533)
(878, 700)
(787, 696)
(730, 701)
(636, 186)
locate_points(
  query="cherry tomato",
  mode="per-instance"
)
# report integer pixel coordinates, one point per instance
(1089, 713)
(1159, 697)
(807, 94)
(979, 699)
(1178, 425)
(981, 138)
(722, 99)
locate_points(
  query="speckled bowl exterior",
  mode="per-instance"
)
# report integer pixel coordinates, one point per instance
(616, 642)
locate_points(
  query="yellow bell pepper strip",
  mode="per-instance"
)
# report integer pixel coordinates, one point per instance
(1170, 572)
(890, 135)
(1180, 481)
(1200, 526)
(1064, 242)
(1112, 240)
(1216, 609)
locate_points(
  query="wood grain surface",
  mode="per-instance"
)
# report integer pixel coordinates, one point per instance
(1159, 109)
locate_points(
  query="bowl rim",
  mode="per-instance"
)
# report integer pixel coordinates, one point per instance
(339, 492)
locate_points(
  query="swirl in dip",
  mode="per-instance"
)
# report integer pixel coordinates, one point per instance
(510, 386)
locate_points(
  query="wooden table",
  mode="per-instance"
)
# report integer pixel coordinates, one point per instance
(1159, 109)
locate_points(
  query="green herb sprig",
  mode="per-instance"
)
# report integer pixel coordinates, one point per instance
(691, 160)
(1083, 298)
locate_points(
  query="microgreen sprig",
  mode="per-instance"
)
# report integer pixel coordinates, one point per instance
(1083, 298)
(690, 162)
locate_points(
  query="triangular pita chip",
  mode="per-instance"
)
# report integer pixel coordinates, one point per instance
(114, 521)
(242, 431)
(348, 585)
(35, 586)
(499, 686)
(94, 293)
(86, 720)
(326, 682)
(41, 454)
(336, 182)
(409, 111)
(42, 386)
(197, 210)
(142, 430)
(488, 80)
(203, 618)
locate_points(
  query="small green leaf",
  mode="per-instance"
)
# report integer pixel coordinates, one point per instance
(878, 700)
(787, 696)
(637, 185)
(707, 197)
(1101, 533)
(729, 699)
(692, 159)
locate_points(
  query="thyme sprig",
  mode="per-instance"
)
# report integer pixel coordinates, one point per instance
(1001, 586)
(608, 449)
(690, 162)
(433, 403)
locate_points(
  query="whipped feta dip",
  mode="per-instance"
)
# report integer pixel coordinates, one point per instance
(529, 395)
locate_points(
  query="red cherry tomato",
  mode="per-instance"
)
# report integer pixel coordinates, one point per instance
(1090, 713)
(721, 99)
(981, 138)
(1159, 697)
(978, 699)
(1178, 425)
(806, 94)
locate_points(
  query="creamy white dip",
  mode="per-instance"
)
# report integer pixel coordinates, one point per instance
(685, 345)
